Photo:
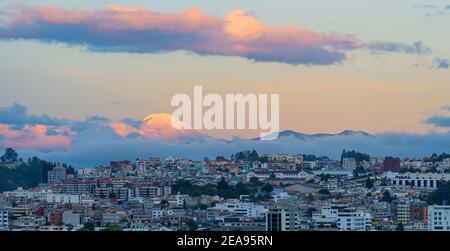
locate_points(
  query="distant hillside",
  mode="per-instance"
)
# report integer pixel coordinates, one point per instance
(25, 175)
(16, 173)
(304, 136)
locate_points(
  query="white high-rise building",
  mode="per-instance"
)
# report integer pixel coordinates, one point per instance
(349, 164)
(438, 218)
(342, 218)
(244, 209)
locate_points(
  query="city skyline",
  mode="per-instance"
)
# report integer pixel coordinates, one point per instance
(334, 71)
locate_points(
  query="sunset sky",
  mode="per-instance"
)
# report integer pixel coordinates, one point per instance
(375, 66)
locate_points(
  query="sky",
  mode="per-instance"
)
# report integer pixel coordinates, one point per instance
(72, 71)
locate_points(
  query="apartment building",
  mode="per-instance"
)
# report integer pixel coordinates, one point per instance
(4, 219)
(438, 218)
(244, 209)
(264, 174)
(343, 218)
(348, 164)
(282, 219)
(401, 213)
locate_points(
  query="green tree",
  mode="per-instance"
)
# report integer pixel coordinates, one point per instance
(310, 211)
(267, 188)
(10, 156)
(255, 181)
(324, 191)
(310, 197)
(164, 203)
(191, 224)
(441, 195)
(112, 228)
(222, 185)
(387, 197)
(369, 183)
(112, 195)
(89, 226)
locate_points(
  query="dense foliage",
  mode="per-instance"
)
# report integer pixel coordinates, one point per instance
(245, 156)
(312, 157)
(359, 157)
(438, 158)
(24, 175)
(441, 195)
(15, 173)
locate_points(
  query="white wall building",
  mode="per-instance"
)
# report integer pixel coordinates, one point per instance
(63, 198)
(349, 164)
(420, 180)
(71, 218)
(344, 219)
(279, 174)
(438, 218)
(244, 209)
(157, 214)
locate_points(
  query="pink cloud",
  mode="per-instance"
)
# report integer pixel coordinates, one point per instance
(33, 137)
(154, 126)
(139, 30)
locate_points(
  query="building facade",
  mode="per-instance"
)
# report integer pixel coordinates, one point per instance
(438, 218)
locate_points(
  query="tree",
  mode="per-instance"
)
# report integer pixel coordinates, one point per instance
(191, 224)
(310, 197)
(387, 197)
(324, 191)
(310, 211)
(255, 181)
(245, 156)
(400, 227)
(267, 188)
(369, 183)
(112, 228)
(324, 177)
(70, 170)
(222, 185)
(112, 195)
(359, 157)
(164, 204)
(25, 175)
(441, 195)
(89, 226)
(10, 156)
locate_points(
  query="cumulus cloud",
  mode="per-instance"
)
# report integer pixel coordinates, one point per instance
(132, 122)
(154, 126)
(139, 30)
(441, 63)
(17, 116)
(439, 121)
(442, 119)
(416, 48)
(20, 130)
(36, 137)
